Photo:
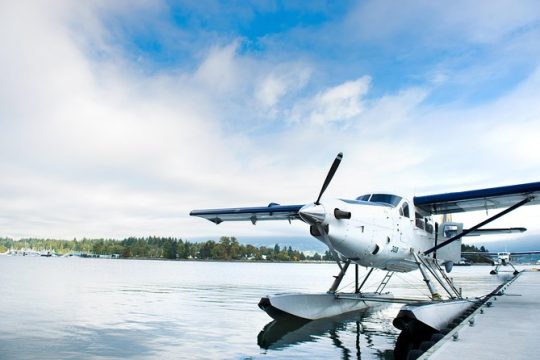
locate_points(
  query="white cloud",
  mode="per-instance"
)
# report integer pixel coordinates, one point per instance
(285, 79)
(271, 90)
(94, 147)
(336, 104)
(93, 143)
(220, 70)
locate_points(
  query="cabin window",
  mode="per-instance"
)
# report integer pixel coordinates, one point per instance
(450, 230)
(429, 227)
(419, 221)
(423, 223)
(404, 210)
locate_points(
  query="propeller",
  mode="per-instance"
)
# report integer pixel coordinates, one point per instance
(330, 175)
(314, 214)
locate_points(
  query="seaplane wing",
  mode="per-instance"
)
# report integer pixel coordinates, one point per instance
(271, 212)
(482, 199)
(517, 253)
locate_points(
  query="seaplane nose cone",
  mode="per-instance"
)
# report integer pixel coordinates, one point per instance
(312, 213)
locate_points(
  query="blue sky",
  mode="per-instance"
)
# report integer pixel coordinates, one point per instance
(118, 118)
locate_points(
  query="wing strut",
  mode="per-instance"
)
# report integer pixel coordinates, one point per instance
(479, 225)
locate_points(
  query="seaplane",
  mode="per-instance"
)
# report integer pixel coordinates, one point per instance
(501, 258)
(389, 232)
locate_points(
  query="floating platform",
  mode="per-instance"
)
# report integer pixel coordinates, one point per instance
(504, 327)
(435, 315)
(319, 306)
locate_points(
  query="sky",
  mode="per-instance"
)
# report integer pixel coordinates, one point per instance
(119, 117)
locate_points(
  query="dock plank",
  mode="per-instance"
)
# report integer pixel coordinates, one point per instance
(506, 330)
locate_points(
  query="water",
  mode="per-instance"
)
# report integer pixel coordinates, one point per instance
(71, 308)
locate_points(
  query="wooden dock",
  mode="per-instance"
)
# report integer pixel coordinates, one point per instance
(506, 327)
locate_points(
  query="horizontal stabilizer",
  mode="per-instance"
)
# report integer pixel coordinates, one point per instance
(513, 253)
(253, 214)
(496, 231)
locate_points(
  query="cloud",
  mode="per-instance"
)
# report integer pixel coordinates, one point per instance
(220, 70)
(271, 90)
(95, 147)
(96, 142)
(336, 104)
(91, 143)
(283, 80)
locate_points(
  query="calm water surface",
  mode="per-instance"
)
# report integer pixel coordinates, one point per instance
(71, 308)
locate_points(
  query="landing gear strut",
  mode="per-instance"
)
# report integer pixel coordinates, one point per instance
(358, 286)
(496, 270)
(339, 277)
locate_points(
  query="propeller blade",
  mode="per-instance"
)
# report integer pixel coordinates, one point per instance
(330, 175)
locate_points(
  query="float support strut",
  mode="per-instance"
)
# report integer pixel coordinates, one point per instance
(340, 276)
(434, 294)
(363, 281)
(356, 279)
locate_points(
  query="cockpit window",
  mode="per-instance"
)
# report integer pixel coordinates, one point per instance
(363, 197)
(389, 199)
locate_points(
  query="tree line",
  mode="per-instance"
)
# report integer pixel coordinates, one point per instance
(476, 258)
(227, 248)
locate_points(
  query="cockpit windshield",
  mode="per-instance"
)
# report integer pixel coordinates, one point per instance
(392, 200)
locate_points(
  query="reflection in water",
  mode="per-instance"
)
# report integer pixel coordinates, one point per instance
(285, 333)
(88, 341)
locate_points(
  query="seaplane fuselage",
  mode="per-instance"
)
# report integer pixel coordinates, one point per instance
(374, 230)
(503, 258)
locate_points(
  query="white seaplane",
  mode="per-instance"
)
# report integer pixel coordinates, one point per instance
(501, 258)
(388, 232)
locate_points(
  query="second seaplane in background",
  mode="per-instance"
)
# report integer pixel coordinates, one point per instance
(388, 232)
(501, 258)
